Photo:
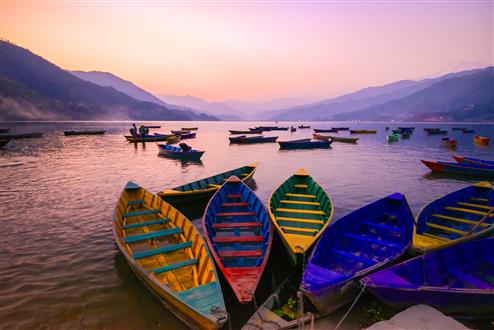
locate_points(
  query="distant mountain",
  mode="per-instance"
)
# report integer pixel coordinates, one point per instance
(254, 110)
(217, 109)
(468, 97)
(35, 89)
(361, 99)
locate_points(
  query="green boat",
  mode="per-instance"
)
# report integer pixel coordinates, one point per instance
(343, 139)
(393, 137)
(300, 210)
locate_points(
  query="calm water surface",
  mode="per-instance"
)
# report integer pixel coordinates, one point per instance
(59, 265)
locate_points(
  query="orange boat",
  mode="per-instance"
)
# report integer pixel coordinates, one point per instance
(481, 139)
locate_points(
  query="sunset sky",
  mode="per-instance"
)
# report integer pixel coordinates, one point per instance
(255, 50)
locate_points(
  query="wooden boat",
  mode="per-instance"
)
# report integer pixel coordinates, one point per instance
(190, 128)
(20, 136)
(448, 143)
(3, 143)
(457, 280)
(459, 128)
(252, 139)
(152, 126)
(234, 132)
(180, 132)
(4, 130)
(203, 189)
(303, 126)
(332, 130)
(304, 144)
(466, 130)
(456, 217)
(320, 137)
(168, 254)
(466, 169)
(362, 131)
(300, 211)
(68, 133)
(358, 244)
(239, 235)
(190, 135)
(405, 134)
(393, 137)
(481, 139)
(341, 128)
(438, 132)
(147, 138)
(265, 128)
(172, 139)
(293, 129)
(176, 152)
(256, 130)
(267, 316)
(406, 128)
(474, 161)
(431, 129)
(343, 139)
(280, 128)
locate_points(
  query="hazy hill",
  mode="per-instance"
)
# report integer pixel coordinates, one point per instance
(217, 109)
(467, 97)
(33, 88)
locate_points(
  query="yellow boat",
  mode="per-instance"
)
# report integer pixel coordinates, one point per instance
(173, 139)
(169, 256)
(202, 190)
(300, 211)
(362, 131)
(457, 217)
(190, 128)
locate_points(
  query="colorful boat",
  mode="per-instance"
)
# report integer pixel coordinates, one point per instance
(190, 128)
(20, 136)
(481, 139)
(320, 137)
(474, 161)
(190, 135)
(239, 235)
(456, 217)
(68, 133)
(300, 211)
(362, 131)
(173, 139)
(358, 244)
(448, 142)
(147, 138)
(178, 153)
(457, 280)
(303, 126)
(332, 130)
(393, 137)
(203, 189)
(252, 139)
(234, 132)
(180, 132)
(304, 144)
(465, 169)
(3, 143)
(343, 139)
(168, 254)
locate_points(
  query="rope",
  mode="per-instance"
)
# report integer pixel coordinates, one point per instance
(276, 325)
(350, 309)
(300, 297)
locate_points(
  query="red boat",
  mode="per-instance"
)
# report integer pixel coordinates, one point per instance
(449, 143)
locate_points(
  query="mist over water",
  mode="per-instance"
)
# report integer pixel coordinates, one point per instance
(59, 265)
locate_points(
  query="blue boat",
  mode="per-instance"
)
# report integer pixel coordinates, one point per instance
(252, 139)
(238, 232)
(189, 135)
(354, 246)
(458, 280)
(459, 216)
(465, 169)
(304, 144)
(472, 160)
(178, 153)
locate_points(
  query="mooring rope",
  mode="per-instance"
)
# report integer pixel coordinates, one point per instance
(350, 309)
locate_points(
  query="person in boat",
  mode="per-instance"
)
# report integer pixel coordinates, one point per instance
(142, 131)
(185, 147)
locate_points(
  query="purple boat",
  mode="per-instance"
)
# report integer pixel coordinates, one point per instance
(190, 135)
(358, 244)
(457, 280)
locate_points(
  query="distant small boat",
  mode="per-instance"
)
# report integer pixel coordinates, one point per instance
(252, 139)
(280, 128)
(204, 189)
(449, 143)
(303, 126)
(468, 130)
(459, 128)
(256, 130)
(178, 153)
(265, 128)
(403, 130)
(343, 139)
(406, 128)
(168, 254)
(393, 137)
(320, 137)
(190, 135)
(20, 136)
(179, 132)
(465, 169)
(304, 144)
(387, 128)
(456, 217)
(474, 161)
(481, 139)
(438, 132)
(3, 143)
(405, 134)
(146, 138)
(456, 280)
(431, 129)
(362, 131)
(234, 132)
(239, 235)
(190, 128)
(293, 129)
(152, 126)
(354, 246)
(319, 130)
(341, 128)
(173, 139)
(68, 133)
(4, 130)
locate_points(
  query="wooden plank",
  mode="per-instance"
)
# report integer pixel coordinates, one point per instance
(165, 249)
(235, 204)
(479, 206)
(146, 223)
(285, 201)
(353, 256)
(211, 185)
(174, 266)
(437, 237)
(478, 199)
(234, 214)
(301, 186)
(300, 195)
(316, 222)
(470, 222)
(135, 214)
(444, 228)
(243, 253)
(459, 209)
(300, 211)
(372, 240)
(299, 229)
(233, 196)
(239, 239)
(151, 235)
(136, 202)
(235, 225)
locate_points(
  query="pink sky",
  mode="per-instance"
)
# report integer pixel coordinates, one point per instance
(254, 50)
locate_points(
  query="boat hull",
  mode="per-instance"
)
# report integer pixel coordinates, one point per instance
(150, 138)
(3, 143)
(252, 140)
(20, 136)
(68, 133)
(343, 139)
(465, 169)
(474, 161)
(304, 145)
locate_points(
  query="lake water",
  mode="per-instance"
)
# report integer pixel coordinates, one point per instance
(59, 265)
